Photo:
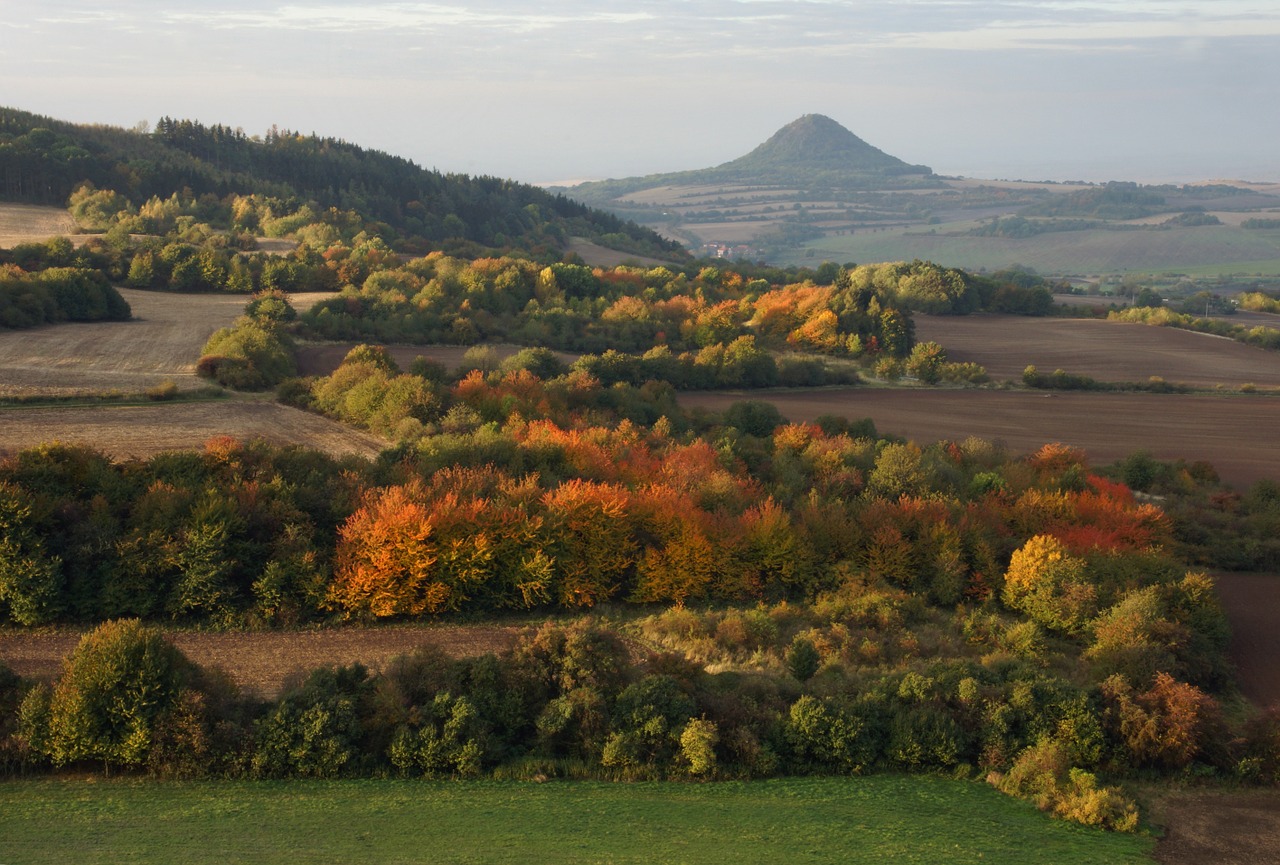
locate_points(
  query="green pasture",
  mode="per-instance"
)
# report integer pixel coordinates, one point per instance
(874, 820)
(1204, 251)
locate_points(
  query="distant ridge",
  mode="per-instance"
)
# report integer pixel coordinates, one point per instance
(815, 142)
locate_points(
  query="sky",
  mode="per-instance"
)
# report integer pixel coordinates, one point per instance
(1146, 90)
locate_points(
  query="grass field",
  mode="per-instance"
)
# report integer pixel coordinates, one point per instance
(873, 820)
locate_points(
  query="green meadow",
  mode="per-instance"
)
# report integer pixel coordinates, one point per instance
(874, 820)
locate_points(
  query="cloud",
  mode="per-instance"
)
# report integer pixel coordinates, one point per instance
(397, 16)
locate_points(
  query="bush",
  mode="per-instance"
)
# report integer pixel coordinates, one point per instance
(120, 681)
(314, 731)
(1043, 775)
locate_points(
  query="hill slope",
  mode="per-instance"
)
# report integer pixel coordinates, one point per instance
(42, 160)
(811, 152)
(815, 142)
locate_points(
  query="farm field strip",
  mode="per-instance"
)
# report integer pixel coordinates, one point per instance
(857, 821)
(1104, 350)
(162, 342)
(1232, 432)
(262, 661)
(146, 430)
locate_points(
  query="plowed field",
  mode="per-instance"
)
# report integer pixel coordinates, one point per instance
(1104, 350)
(263, 661)
(1235, 433)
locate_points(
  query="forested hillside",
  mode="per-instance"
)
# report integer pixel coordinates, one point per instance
(44, 160)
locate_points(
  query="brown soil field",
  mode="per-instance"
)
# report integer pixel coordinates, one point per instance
(324, 358)
(596, 255)
(162, 342)
(1252, 603)
(1228, 431)
(145, 430)
(1216, 827)
(27, 223)
(263, 661)
(1104, 350)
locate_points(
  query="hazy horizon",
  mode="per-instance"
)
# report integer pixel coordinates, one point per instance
(1145, 90)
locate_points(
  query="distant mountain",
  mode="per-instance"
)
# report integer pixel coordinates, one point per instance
(816, 143)
(43, 160)
(811, 152)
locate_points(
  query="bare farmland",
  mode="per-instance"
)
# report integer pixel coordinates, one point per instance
(143, 431)
(162, 342)
(262, 661)
(1104, 350)
(1232, 432)
(26, 223)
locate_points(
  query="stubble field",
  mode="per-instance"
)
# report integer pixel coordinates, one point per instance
(145, 430)
(161, 343)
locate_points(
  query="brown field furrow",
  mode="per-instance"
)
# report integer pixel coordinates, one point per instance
(1235, 433)
(143, 431)
(1217, 827)
(264, 661)
(1252, 602)
(1104, 350)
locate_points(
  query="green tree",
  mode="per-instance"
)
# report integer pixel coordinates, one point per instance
(30, 579)
(121, 679)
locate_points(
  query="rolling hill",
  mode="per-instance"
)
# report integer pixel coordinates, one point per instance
(814, 191)
(43, 160)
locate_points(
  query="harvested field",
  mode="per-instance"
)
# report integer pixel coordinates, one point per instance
(146, 430)
(322, 359)
(1104, 350)
(262, 661)
(162, 342)
(1252, 604)
(32, 223)
(1217, 827)
(1228, 431)
(596, 255)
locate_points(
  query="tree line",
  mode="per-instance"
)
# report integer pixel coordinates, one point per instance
(44, 160)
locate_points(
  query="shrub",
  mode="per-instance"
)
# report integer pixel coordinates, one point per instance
(314, 731)
(1043, 775)
(120, 681)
